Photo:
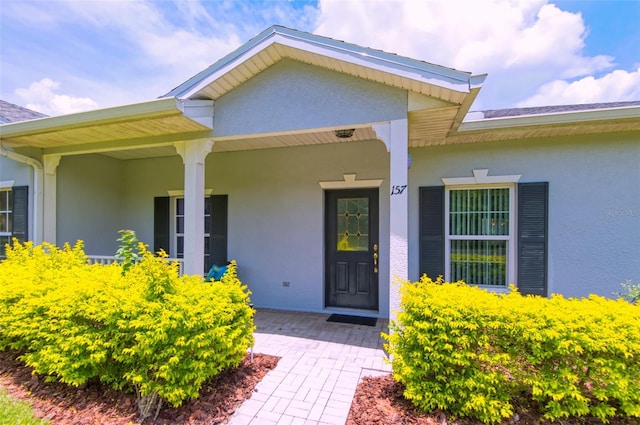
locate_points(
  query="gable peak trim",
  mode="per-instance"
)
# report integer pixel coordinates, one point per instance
(404, 67)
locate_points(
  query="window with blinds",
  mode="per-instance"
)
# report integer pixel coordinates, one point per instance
(479, 235)
(5, 219)
(179, 227)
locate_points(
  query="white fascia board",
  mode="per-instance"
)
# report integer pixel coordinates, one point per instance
(404, 67)
(204, 77)
(476, 81)
(379, 63)
(566, 117)
(225, 67)
(200, 111)
(158, 107)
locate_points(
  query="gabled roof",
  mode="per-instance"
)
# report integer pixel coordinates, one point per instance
(277, 43)
(186, 112)
(14, 113)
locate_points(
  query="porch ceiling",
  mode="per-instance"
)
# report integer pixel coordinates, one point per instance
(250, 143)
(162, 118)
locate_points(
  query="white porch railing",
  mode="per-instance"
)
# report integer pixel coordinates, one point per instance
(110, 259)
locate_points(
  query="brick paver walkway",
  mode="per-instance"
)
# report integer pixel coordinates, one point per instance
(321, 364)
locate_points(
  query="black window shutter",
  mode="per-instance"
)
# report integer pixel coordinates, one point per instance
(161, 223)
(532, 238)
(218, 235)
(432, 231)
(20, 213)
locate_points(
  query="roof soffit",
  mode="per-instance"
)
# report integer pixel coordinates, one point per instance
(523, 128)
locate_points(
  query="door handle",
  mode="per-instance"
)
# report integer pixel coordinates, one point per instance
(375, 258)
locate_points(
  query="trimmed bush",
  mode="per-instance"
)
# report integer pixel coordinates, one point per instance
(476, 353)
(631, 292)
(144, 328)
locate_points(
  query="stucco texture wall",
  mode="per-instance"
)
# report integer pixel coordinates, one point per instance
(275, 212)
(594, 202)
(89, 202)
(291, 95)
(20, 174)
(145, 179)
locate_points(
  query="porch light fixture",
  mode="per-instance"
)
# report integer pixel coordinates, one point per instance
(345, 133)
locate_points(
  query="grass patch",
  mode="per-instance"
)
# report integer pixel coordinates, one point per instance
(16, 412)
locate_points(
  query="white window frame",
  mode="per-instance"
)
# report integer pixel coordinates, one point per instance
(174, 195)
(6, 193)
(481, 180)
(5, 190)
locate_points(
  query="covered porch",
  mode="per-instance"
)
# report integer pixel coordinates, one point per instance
(274, 211)
(270, 156)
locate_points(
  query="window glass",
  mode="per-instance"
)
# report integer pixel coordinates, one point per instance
(179, 227)
(4, 200)
(479, 262)
(5, 211)
(180, 246)
(479, 236)
(479, 212)
(180, 224)
(5, 220)
(180, 206)
(353, 224)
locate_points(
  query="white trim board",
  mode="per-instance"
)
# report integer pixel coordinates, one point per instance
(350, 182)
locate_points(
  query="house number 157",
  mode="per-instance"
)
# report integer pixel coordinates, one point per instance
(397, 190)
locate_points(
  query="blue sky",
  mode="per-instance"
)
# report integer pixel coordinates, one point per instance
(63, 56)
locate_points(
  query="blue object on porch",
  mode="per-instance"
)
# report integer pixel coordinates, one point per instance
(216, 272)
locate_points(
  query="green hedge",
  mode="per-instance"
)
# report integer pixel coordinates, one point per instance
(477, 354)
(144, 327)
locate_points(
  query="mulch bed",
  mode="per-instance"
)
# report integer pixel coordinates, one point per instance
(378, 401)
(96, 403)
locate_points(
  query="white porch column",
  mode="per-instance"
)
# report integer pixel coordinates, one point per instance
(49, 221)
(395, 134)
(193, 154)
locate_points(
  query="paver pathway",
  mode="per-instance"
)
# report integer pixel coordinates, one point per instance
(321, 364)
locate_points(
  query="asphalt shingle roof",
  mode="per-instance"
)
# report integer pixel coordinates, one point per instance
(542, 110)
(14, 113)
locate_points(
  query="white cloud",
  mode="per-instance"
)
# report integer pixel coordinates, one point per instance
(165, 39)
(40, 97)
(132, 50)
(523, 44)
(618, 85)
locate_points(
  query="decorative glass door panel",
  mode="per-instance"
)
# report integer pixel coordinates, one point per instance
(353, 224)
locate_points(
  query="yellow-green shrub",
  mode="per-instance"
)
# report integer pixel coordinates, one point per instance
(476, 353)
(145, 328)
